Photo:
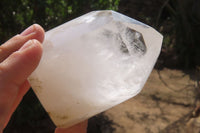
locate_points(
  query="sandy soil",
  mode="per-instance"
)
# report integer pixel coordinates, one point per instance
(166, 104)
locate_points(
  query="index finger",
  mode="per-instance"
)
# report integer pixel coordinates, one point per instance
(33, 32)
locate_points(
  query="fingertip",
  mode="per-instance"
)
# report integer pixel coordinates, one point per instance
(37, 30)
(32, 51)
(31, 44)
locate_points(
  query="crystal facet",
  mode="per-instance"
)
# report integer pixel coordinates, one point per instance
(93, 63)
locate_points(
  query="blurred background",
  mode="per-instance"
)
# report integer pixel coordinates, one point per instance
(170, 100)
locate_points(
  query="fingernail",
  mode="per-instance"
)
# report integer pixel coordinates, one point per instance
(27, 45)
(29, 30)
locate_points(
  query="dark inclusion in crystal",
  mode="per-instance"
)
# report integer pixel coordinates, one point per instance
(132, 42)
(123, 47)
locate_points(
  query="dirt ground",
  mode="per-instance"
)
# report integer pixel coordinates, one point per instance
(167, 104)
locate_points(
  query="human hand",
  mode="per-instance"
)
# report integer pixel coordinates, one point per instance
(19, 57)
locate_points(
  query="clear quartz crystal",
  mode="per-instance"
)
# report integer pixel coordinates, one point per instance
(93, 63)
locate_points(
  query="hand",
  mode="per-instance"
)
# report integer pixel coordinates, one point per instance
(19, 57)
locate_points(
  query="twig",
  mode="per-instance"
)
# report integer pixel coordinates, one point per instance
(160, 12)
(162, 80)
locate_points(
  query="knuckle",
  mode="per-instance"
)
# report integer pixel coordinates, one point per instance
(1, 49)
(3, 53)
(14, 40)
(17, 37)
(1, 73)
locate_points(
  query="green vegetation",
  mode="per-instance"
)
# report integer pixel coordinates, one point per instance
(184, 16)
(17, 15)
(187, 20)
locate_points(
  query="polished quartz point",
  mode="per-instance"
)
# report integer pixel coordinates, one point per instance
(93, 63)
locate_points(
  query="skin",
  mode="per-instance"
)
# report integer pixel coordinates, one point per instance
(19, 57)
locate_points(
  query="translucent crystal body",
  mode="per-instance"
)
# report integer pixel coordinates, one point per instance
(92, 63)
